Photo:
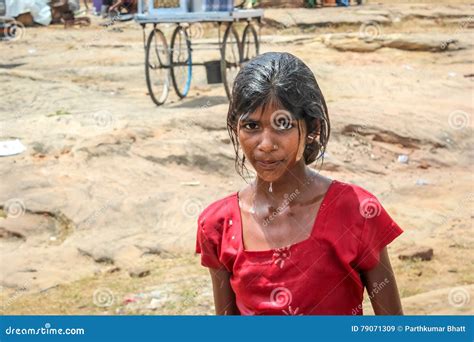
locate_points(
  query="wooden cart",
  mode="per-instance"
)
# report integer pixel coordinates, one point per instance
(173, 63)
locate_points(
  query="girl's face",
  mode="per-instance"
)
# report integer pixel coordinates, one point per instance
(272, 140)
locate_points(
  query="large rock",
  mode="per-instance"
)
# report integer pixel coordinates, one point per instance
(352, 43)
(419, 42)
(372, 39)
(323, 17)
(358, 15)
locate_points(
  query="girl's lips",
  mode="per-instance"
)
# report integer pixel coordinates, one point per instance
(266, 165)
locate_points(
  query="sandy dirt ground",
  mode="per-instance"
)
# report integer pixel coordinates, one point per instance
(98, 215)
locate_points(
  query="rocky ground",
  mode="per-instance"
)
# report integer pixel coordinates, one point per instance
(98, 215)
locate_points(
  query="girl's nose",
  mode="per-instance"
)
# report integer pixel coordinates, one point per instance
(267, 141)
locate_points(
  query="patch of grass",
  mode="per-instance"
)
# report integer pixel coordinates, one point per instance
(105, 292)
(59, 112)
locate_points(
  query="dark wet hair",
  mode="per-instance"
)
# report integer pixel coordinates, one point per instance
(285, 80)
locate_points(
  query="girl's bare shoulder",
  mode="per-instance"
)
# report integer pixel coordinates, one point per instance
(219, 209)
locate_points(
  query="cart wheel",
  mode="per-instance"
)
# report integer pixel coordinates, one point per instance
(250, 43)
(181, 62)
(231, 57)
(157, 71)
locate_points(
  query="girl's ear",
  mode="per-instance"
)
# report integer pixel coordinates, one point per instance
(314, 133)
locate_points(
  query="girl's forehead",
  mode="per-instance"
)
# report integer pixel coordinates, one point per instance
(267, 113)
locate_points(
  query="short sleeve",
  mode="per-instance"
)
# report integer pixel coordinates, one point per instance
(208, 243)
(378, 230)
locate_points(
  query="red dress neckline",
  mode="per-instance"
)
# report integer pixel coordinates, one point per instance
(298, 243)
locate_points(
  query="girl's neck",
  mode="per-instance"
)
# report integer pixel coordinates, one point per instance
(294, 180)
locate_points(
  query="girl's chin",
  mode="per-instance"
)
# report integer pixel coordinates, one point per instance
(269, 176)
(271, 173)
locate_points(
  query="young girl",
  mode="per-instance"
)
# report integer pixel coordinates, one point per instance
(292, 242)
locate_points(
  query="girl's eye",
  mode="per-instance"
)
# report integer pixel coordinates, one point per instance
(251, 126)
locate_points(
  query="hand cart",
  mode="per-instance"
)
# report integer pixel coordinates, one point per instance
(175, 62)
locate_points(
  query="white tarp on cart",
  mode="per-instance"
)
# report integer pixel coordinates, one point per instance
(39, 9)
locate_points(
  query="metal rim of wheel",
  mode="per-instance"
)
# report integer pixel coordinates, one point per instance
(157, 71)
(231, 58)
(250, 43)
(181, 62)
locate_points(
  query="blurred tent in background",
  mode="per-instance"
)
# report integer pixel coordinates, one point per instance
(39, 10)
(42, 12)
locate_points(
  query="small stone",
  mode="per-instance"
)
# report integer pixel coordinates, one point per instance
(422, 253)
(113, 269)
(422, 182)
(139, 272)
(424, 165)
(39, 148)
(156, 294)
(402, 158)
(154, 304)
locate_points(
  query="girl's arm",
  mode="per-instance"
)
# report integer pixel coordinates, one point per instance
(224, 296)
(382, 287)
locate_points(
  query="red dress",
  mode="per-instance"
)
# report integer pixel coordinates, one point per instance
(316, 276)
